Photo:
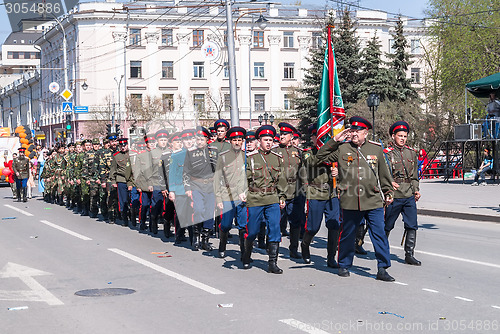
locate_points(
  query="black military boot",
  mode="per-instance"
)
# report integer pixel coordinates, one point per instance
(133, 216)
(411, 239)
(166, 229)
(25, 197)
(304, 245)
(18, 193)
(273, 258)
(387, 233)
(205, 240)
(283, 225)
(331, 248)
(153, 225)
(247, 254)
(85, 209)
(196, 244)
(68, 202)
(125, 219)
(294, 242)
(222, 243)
(261, 238)
(241, 235)
(360, 236)
(142, 225)
(60, 200)
(179, 235)
(383, 275)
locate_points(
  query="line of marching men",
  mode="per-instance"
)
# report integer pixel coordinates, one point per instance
(207, 181)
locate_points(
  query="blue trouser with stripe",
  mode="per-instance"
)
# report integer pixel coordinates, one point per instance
(145, 199)
(270, 214)
(231, 210)
(351, 219)
(204, 208)
(123, 200)
(406, 206)
(316, 209)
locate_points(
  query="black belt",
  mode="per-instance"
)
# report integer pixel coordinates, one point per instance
(402, 180)
(262, 190)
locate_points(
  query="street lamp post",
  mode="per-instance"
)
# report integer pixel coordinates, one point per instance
(235, 117)
(262, 23)
(373, 101)
(118, 83)
(266, 117)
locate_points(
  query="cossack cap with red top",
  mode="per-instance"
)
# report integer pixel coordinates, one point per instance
(399, 126)
(162, 133)
(188, 133)
(202, 131)
(265, 130)
(149, 137)
(123, 141)
(236, 132)
(213, 131)
(286, 128)
(297, 134)
(221, 122)
(250, 135)
(175, 136)
(359, 123)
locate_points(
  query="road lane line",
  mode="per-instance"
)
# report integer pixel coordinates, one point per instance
(494, 306)
(430, 290)
(65, 230)
(19, 210)
(400, 283)
(302, 326)
(449, 257)
(464, 299)
(167, 272)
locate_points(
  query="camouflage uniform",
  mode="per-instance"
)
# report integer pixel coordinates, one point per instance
(107, 196)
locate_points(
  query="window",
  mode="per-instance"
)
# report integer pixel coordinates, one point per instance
(259, 102)
(167, 69)
(288, 39)
(198, 69)
(136, 101)
(135, 36)
(391, 46)
(258, 39)
(415, 46)
(258, 70)
(227, 102)
(289, 70)
(415, 75)
(316, 40)
(197, 38)
(226, 70)
(167, 37)
(199, 102)
(135, 69)
(287, 102)
(168, 102)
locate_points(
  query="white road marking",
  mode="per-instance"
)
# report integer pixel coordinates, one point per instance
(449, 257)
(464, 299)
(494, 306)
(295, 324)
(400, 283)
(65, 230)
(430, 290)
(19, 210)
(37, 293)
(167, 272)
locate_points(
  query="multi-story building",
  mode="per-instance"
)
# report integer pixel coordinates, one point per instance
(137, 64)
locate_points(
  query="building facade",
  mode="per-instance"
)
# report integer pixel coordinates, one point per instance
(135, 65)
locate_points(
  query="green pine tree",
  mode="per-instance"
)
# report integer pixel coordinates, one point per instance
(399, 62)
(374, 76)
(348, 58)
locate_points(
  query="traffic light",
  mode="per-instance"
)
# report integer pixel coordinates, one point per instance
(108, 128)
(117, 129)
(68, 122)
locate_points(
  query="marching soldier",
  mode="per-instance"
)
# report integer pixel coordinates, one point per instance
(404, 167)
(107, 195)
(90, 181)
(175, 145)
(159, 185)
(365, 185)
(291, 165)
(177, 193)
(230, 188)
(80, 155)
(199, 169)
(322, 201)
(122, 178)
(143, 176)
(68, 174)
(221, 126)
(266, 195)
(58, 168)
(21, 166)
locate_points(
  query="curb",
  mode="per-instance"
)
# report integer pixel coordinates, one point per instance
(459, 215)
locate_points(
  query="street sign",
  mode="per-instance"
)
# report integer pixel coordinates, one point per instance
(81, 109)
(66, 94)
(67, 106)
(54, 87)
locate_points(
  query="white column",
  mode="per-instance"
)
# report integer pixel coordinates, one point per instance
(276, 72)
(245, 75)
(304, 42)
(185, 74)
(154, 64)
(119, 38)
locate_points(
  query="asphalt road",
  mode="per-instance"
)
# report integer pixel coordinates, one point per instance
(47, 253)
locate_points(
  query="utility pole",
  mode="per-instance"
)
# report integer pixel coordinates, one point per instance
(233, 91)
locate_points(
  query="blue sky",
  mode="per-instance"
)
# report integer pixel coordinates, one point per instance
(412, 8)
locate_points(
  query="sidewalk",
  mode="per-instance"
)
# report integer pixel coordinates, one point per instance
(460, 201)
